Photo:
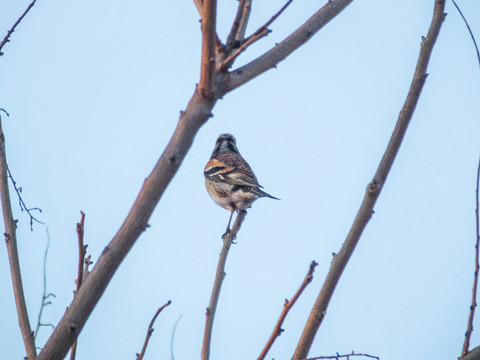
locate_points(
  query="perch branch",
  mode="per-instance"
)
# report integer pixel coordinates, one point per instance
(150, 330)
(220, 275)
(207, 74)
(82, 250)
(473, 305)
(300, 36)
(373, 189)
(10, 32)
(45, 296)
(348, 356)
(286, 308)
(11, 242)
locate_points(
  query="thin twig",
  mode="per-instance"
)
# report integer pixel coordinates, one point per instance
(10, 32)
(373, 190)
(45, 296)
(469, 30)
(286, 308)
(220, 275)
(82, 250)
(473, 305)
(338, 356)
(172, 340)
(207, 74)
(257, 35)
(150, 330)
(18, 190)
(11, 242)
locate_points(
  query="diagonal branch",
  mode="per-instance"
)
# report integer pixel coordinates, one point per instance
(373, 189)
(300, 36)
(11, 242)
(473, 305)
(220, 275)
(10, 32)
(207, 74)
(472, 355)
(150, 330)
(286, 308)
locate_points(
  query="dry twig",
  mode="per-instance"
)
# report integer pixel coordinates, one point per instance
(286, 308)
(347, 356)
(11, 242)
(82, 250)
(220, 275)
(473, 305)
(150, 330)
(469, 30)
(373, 189)
(10, 32)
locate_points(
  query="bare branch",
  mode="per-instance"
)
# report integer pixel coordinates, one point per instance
(82, 250)
(348, 356)
(196, 114)
(11, 242)
(271, 58)
(231, 58)
(286, 308)
(220, 275)
(45, 296)
(10, 32)
(473, 305)
(373, 189)
(469, 30)
(150, 330)
(207, 74)
(231, 38)
(199, 6)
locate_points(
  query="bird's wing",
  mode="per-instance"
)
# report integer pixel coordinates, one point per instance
(232, 169)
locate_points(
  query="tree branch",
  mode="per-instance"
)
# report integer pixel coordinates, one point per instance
(231, 38)
(11, 242)
(348, 356)
(150, 330)
(286, 308)
(196, 114)
(10, 32)
(207, 74)
(82, 250)
(473, 305)
(472, 355)
(271, 58)
(220, 275)
(373, 189)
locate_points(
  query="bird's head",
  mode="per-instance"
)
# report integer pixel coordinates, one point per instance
(225, 143)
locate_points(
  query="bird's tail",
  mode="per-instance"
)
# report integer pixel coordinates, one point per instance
(261, 193)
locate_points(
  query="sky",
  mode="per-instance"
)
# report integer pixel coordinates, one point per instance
(94, 90)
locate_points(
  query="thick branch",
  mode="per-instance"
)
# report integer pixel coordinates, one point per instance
(220, 275)
(472, 355)
(271, 58)
(150, 331)
(207, 74)
(196, 114)
(286, 308)
(473, 305)
(373, 189)
(10, 32)
(11, 242)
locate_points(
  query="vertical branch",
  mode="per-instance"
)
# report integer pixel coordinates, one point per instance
(469, 331)
(373, 189)
(82, 250)
(11, 242)
(220, 275)
(207, 74)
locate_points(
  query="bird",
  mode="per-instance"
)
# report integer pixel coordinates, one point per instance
(229, 179)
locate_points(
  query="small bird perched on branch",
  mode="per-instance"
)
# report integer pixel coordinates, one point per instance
(229, 179)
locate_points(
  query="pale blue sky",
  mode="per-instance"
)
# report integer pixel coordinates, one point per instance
(94, 91)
